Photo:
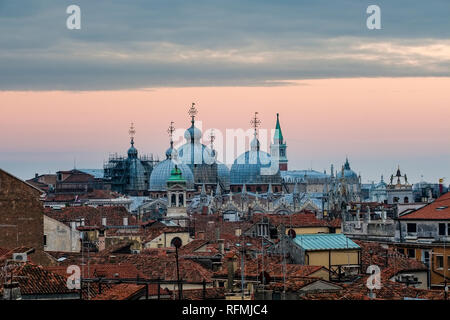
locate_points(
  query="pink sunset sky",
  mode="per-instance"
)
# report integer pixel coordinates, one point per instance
(378, 123)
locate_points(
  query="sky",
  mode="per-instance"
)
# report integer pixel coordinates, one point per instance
(380, 97)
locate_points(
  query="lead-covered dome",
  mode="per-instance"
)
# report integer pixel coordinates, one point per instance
(253, 167)
(161, 172)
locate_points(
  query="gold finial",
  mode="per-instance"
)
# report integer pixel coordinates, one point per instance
(193, 111)
(255, 122)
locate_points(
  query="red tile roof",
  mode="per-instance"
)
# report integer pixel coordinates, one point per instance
(164, 267)
(93, 216)
(437, 210)
(295, 220)
(197, 294)
(117, 271)
(122, 291)
(35, 280)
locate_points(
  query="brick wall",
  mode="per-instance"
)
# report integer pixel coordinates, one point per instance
(21, 216)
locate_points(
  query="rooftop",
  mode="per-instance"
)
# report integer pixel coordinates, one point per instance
(325, 241)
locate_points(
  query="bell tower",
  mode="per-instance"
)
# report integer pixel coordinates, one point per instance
(278, 148)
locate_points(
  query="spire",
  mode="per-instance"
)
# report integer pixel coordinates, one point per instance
(244, 189)
(347, 164)
(255, 122)
(278, 137)
(132, 151)
(170, 151)
(218, 190)
(192, 112)
(269, 189)
(295, 188)
(203, 193)
(132, 132)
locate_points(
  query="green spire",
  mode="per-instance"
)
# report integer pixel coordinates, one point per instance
(278, 134)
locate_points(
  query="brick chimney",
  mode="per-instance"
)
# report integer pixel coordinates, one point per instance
(200, 235)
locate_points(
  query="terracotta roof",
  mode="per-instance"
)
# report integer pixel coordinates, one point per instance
(197, 294)
(375, 253)
(295, 220)
(122, 291)
(93, 216)
(164, 267)
(118, 271)
(273, 266)
(35, 280)
(437, 210)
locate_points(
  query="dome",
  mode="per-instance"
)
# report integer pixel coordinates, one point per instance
(224, 174)
(171, 153)
(137, 174)
(201, 154)
(194, 132)
(132, 152)
(381, 185)
(246, 169)
(348, 172)
(162, 172)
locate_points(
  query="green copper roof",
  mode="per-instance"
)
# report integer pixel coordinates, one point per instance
(176, 176)
(324, 241)
(278, 133)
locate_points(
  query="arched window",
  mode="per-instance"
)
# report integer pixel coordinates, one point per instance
(396, 199)
(406, 200)
(180, 200)
(173, 200)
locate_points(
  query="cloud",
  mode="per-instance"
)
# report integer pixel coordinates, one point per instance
(142, 44)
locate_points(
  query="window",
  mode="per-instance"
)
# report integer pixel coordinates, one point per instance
(395, 199)
(411, 228)
(45, 239)
(442, 229)
(411, 253)
(439, 262)
(448, 262)
(406, 200)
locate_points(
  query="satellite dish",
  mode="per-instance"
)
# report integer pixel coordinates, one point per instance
(292, 233)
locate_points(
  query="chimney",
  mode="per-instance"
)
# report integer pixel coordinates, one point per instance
(217, 233)
(221, 246)
(230, 267)
(36, 175)
(104, 221)
(11, 291)
(200, 235)
(125, 221)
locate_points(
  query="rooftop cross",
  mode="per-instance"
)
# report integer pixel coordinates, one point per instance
(132, 132)
(212, 137)
(170, 131)
(193, 112)
(255, 122)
